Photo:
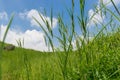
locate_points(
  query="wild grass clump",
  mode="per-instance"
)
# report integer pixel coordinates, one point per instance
(91, 59)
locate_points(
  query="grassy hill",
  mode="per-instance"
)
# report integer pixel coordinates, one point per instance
(99, 59)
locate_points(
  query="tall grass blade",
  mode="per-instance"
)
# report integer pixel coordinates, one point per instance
(51, 18)
(2, 44)
(104, 26)
(115, 7)
(48, 30)
(112, 13)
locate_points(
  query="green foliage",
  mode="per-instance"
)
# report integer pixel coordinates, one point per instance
(96, 59)
(101, 62)
(2, 43)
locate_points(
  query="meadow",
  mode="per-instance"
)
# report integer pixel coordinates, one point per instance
(96, 59)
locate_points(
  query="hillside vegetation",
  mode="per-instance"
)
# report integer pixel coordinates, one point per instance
(92, 59)
(100, 59)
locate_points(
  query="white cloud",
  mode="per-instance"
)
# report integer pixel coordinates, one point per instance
(79, 39)
(23, 15)
(33, 39)
(3, 15)
(95, 17)
(34, 13)
(108, 2)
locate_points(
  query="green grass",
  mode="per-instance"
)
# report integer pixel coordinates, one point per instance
(103, 62)
(99, 59)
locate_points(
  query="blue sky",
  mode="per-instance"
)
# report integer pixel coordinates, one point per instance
(20, 6)
(24, 26)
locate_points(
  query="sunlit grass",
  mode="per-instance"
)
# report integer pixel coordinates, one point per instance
(96, 59)
(2, 44)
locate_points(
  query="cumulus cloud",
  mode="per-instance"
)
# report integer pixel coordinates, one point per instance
(95, 17)
(34, 13)
(3, 16)
(33, 39)
(23, 15)
(74, 42)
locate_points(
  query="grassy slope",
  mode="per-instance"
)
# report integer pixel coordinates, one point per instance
(98, 60)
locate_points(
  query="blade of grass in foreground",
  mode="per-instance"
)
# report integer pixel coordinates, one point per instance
(48, 30)
(112, 13)
(2, 44)
(115, 7)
